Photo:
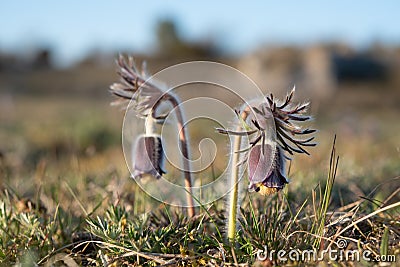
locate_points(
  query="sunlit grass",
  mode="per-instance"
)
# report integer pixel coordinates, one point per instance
(79, 206)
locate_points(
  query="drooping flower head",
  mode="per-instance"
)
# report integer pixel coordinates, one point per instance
(144, 97)
(148, 157)
(272, 131)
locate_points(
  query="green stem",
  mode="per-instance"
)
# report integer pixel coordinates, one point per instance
(233, 201)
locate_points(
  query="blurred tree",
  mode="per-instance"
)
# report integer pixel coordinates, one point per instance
(42, 59)
(172, 45)
(168, 39)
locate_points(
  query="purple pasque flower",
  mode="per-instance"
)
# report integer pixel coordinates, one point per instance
(266, 158)
(148, 157)
(272, 130)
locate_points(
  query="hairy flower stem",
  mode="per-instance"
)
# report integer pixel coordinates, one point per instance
(150, 125)
(184, 144)
(233, 201)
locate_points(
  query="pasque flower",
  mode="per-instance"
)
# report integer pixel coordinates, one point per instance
(148, 157)
(265, 158)
(272, 131)
(266, 161)
(145, 97)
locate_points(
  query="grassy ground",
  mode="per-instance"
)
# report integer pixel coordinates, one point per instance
(67, 199)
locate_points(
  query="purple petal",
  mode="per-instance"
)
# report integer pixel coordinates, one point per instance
(148, 157)
(276, 179)
(266, 169)
(259, 164)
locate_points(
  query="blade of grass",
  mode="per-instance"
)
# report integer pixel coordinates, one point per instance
(76, 198)
(385, 242)
(208, 213)
(326, 198)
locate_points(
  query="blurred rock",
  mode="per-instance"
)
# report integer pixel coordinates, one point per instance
(278, 69)
(317, 71)
(274, 69)
(319, 78)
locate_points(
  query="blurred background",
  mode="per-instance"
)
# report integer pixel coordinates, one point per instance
(57, 60)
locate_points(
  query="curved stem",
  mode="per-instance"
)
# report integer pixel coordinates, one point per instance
(184, 143)
(233, 199)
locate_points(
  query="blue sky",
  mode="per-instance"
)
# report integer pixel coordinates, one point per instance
(74, 27)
